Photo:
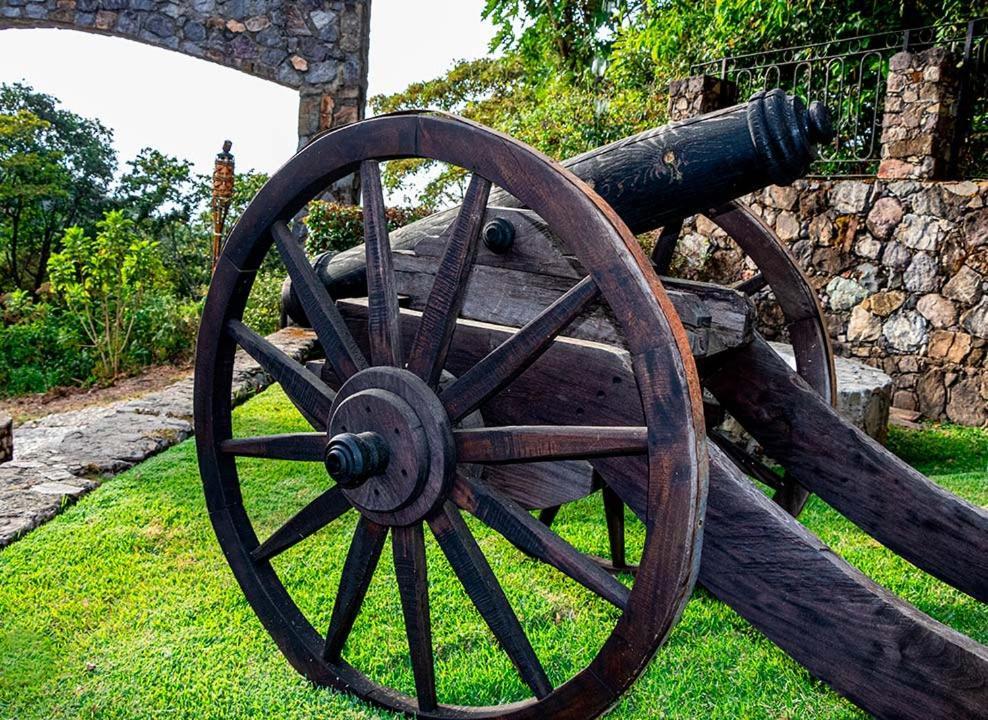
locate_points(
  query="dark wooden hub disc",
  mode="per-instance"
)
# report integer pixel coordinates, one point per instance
(405, 414)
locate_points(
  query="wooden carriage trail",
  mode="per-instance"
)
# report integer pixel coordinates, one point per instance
(60, 457)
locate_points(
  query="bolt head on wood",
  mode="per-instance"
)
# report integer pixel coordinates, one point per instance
(352, 458)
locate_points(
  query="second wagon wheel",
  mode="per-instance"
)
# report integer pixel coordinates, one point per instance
(392, 446)
(777, 277)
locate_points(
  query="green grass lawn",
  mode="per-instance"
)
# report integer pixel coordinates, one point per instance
(123, 606)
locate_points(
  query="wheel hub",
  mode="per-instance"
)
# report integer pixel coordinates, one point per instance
(392, 446)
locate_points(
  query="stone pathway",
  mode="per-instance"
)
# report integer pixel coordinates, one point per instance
(60, 457)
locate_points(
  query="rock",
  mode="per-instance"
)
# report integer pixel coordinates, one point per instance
(884, 217)
(864, 393)
(965, 405)
(821, 230)
(904, 400)
(787, 226)
(885, 303)
(978, 261)
(965, 188)
(863, 326)
(964, 287)
(850, 197)
(867, 276)
(322, 18)
(160, 26)
(976, 229)
(896, 256)
(257, 23)
(922, 275)
(299, 63)
(920, 232)
(868, 247)
(950, 346)
(235, 26)
(976, 319)
(938, 310)
(845, 293)
(782, 197)
(931, 394)
(905, 331)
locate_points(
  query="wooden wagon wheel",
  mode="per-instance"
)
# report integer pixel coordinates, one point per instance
(390, 438)
(776, 270)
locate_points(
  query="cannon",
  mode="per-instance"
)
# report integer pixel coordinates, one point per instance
(519, 353)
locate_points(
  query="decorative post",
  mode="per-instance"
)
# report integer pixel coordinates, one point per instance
(222, 196)
(692, 96)
(921, 106)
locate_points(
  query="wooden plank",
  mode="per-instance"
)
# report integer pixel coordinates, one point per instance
(898, 506)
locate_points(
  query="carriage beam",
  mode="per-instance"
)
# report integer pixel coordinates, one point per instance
(898, 506)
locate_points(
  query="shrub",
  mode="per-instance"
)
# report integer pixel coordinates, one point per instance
(103, 281)
(335, 227)
(43, 349)
(263, 311)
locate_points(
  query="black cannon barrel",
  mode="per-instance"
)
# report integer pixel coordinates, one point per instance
(697, 164)
(658, 175)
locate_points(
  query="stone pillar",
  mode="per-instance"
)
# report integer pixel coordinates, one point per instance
(921, 106)
(339, 99)
(699, 94)
(6, 438)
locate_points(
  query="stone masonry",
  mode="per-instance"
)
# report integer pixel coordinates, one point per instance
(901, 268)
(921, 106)
(318, 47)
(698, 95)
(6, 438)
(63, 456)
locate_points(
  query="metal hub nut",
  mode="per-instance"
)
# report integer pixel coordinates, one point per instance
(352, 458)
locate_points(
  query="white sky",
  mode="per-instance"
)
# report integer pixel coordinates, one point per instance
(186, 107)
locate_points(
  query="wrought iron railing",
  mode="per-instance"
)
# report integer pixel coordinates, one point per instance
(849, 75)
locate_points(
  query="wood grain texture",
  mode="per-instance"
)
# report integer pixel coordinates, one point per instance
(932, 528)
(305, 447)
(531, 443)
(335, 339)
(408, 546)
(316, 515)
(428, 352)
(306, 391)
(382, 294)
(358, 570)
(532, 537)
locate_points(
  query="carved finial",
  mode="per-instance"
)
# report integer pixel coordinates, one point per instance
(226, 154)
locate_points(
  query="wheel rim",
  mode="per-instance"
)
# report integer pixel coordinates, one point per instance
(655, 339)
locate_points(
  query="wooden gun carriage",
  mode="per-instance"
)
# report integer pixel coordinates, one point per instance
(518, 353)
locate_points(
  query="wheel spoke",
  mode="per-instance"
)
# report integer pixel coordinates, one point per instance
(478, 580)
(410, 569)
(614, 515)
(529, 443)
(361, 561)
(305, 390)
(510, 358)
(752, 285)
(313, 517)
(744, 460)
(383, 329)
(547, 516)
(334, 337)
(665, 246)
(428, 354)
(534, 538)
(307, 447)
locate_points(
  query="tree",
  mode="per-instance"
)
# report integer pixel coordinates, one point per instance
(55, 171)
(164, 197)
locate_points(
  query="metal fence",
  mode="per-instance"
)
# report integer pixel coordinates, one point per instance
(849, 75)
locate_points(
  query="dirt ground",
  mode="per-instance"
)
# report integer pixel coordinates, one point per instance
(28, 407)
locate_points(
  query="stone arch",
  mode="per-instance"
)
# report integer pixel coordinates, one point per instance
(318, 47)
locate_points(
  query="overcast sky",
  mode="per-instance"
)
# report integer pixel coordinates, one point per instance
(187, 107)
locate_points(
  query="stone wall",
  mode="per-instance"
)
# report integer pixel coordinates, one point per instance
(318, 47)
(6, 438)
(901, 269)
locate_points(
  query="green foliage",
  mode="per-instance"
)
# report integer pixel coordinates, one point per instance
(263, 311)
(103, 280)
(43, 349)
(335, 227)
(55, 170)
